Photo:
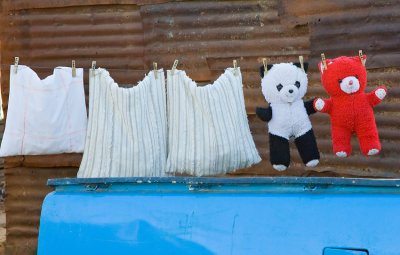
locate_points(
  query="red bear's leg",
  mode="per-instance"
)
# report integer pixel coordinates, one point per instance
(341, 141)
(369, 139)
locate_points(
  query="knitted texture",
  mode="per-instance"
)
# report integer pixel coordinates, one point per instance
(350, 108)
(208, 130)
(127, 128)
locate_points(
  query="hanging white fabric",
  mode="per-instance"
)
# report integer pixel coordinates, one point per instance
(208, 128)
(127, 128)
(45, 116)
(1, 104)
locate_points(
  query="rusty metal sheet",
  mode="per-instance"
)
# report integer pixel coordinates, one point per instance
(53, 161)
(343, 27)
(206, 37)
(127, 36)
(45, 38)
(46, 4)
(25, 189)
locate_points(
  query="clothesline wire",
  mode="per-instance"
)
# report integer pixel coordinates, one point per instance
(109, 69)
(114, 69)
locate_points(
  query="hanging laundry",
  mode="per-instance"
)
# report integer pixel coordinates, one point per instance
(208, 128)
(45, 116)
(1, 105)
(127, 128)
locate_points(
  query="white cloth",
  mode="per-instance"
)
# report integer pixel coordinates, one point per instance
(208, 128)
(289, 119)
(127, 128)
(1, 105)
(45, 116)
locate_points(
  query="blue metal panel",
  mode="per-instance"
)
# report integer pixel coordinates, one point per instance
(224, 181)
(336, 251)
(234, 216)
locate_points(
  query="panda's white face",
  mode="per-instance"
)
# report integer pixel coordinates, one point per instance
(284, 83)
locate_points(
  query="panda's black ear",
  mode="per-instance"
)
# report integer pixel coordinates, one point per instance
(299, 66)
(262, 70)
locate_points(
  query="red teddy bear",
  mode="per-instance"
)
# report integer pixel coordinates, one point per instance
(350, 108)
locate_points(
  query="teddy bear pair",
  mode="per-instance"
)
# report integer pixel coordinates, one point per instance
(350, 108)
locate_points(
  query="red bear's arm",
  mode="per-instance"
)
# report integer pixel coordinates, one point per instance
(373, 99)
(327, 105)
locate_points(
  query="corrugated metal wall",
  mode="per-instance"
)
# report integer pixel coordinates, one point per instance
(26, 187)
(127, 36)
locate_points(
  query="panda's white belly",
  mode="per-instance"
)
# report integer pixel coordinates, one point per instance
(289, 119)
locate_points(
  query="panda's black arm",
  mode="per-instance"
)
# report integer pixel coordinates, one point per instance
(265, 114)
(309, 105)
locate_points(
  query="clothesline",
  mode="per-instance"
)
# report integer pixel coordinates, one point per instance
(112, 69)
(174, 67)
(128, 133)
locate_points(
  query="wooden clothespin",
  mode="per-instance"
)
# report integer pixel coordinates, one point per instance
(16, 61)
(324, 61)
(360, 54)
(174, 66)
(265, 63)
(73, 69)
(235, 67)
(301, 60)
(93, 69)
(155, 69)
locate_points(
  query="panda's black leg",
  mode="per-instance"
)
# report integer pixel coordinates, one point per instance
(308, 149)
(279, 153)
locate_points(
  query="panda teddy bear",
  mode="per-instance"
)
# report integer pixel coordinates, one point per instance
(350, 108)
(284, 86)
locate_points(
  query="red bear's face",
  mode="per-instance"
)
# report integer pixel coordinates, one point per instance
(343, 76)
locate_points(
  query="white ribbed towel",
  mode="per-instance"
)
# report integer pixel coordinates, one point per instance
(208, 130)
(1, 105)
(45, 116)
(127, 128)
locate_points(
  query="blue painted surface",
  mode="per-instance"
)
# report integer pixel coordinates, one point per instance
(333, 251)
(186, 216)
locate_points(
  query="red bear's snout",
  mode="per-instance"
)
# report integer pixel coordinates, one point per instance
(349, 85)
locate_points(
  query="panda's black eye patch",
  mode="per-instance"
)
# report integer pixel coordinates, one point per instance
(279, 87)
(297, 84)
